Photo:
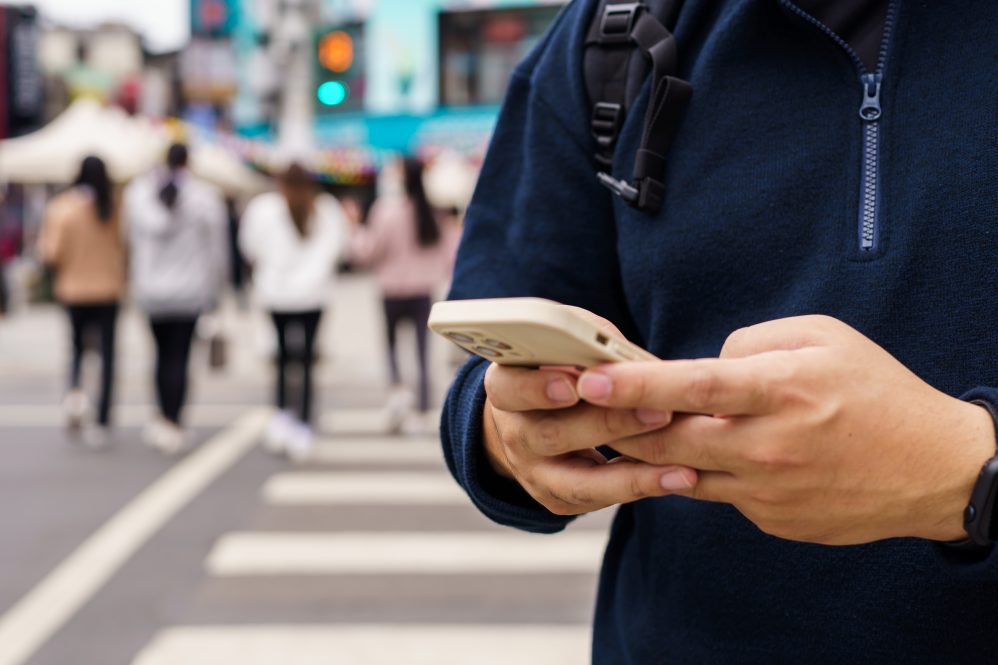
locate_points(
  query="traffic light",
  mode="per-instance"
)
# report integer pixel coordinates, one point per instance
(339, 71)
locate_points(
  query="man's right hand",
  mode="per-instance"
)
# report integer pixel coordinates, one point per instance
(538, 433)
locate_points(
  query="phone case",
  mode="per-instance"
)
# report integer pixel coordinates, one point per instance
(529, 332)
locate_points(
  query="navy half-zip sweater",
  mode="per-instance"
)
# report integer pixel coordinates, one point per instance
(781, 200)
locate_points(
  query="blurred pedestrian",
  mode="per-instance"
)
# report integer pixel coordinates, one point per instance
(81, 243)
(412, 254)
(237, 266)
(177, 230)
(293, 240)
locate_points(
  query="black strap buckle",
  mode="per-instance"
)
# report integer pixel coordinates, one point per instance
(618, 22)
(605, 123)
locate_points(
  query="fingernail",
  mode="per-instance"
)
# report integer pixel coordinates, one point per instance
(676, 480)
(560, 390)
(594, 385)
(653, 417)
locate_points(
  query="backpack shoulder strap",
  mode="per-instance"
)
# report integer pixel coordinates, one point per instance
(624, 41)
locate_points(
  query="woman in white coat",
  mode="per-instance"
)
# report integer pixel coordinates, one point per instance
(293, 240)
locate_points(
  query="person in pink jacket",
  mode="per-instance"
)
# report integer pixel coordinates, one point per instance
(412, 255)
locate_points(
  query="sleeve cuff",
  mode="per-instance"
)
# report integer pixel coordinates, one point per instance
(502, 500)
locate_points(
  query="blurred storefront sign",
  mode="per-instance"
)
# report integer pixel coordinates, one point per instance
(208, 71)
(22, 87)
(214, 18)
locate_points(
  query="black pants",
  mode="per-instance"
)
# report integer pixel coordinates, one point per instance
(87, 320)
(296, 342)
(416, 310)
(4, 295)
(173, 351)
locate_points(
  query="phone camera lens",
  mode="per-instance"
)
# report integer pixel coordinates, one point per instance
(496, 344)
(461, 338)
(487, 352)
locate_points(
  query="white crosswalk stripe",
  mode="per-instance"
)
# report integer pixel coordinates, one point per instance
(391, 473)
(373, 553)
(380, 451)
(369, 645)
(345, 488)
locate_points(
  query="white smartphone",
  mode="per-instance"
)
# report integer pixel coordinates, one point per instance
(529, 332)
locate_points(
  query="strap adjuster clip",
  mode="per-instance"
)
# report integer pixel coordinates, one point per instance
(605, 123)
(618, 22)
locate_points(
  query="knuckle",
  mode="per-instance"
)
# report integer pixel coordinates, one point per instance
(702, 388)
(655, 452)
(615, 423)
(558, 504)
(638, 489)
(783, 370)
(560, 508)
(580, 496)
(766, 456)
(545, 436)
(767, 496)
(635, 391)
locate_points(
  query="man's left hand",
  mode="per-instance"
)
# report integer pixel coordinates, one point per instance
(811, 430)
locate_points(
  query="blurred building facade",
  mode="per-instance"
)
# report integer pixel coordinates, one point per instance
(384, 76)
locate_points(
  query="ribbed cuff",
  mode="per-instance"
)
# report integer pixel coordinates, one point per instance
(502, 500)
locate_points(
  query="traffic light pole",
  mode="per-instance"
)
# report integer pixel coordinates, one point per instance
(292, 49)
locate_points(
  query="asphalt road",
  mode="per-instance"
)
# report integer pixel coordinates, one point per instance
(366, 554)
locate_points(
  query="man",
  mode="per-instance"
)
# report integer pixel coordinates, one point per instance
(793, 495)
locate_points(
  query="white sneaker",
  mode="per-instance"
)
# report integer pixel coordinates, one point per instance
(155, 433)
(279, 430)
(301, 442)
(97, 437)
(76, 406)
(397, 407)
(173, 441)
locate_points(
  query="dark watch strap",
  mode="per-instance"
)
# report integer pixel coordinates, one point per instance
(979, 515)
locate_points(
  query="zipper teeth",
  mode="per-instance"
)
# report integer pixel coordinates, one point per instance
(888, 29)
(857, 61)
(871, 164)
(835, 37)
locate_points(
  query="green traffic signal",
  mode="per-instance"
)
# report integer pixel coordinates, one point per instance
(332, 93)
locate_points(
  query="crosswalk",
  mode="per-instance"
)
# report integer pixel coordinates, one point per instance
(370, 555)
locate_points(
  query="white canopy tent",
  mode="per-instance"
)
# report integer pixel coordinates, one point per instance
(224, 170)
(52, 155)
(129, 145)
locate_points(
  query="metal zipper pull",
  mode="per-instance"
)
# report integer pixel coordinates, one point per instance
(870, 110)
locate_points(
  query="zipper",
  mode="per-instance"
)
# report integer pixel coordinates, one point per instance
(870, 112)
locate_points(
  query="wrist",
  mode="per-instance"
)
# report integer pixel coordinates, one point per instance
(971, 445)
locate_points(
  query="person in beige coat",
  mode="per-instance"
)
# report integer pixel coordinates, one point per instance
(81, 243)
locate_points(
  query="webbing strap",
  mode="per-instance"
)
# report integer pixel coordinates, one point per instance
(614, 72)
(666, 105)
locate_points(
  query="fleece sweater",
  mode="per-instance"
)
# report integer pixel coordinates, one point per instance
(780, 200)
